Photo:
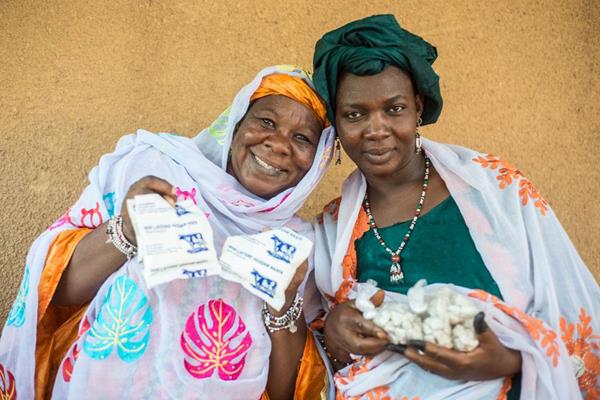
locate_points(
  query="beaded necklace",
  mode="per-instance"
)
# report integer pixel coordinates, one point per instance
(396, 273)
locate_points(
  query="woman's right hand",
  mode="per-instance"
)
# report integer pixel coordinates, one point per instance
(147, 184)
(348, 332)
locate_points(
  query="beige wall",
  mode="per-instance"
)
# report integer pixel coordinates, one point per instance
(519, 78)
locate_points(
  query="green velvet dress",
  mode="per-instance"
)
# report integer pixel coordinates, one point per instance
(440, 250)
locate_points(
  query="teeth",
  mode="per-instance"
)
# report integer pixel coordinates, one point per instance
(265, 165)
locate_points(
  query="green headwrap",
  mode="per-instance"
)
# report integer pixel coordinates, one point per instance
(366, 47)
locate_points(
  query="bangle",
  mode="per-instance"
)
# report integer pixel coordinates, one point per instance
(287, 320)
(114, 230)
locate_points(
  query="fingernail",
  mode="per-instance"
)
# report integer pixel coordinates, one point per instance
(397, 348)
(479, 323)
(417, 344)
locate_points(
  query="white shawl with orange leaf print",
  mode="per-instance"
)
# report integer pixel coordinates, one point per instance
(550, 307)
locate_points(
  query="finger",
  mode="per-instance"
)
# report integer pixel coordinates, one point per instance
(160, 186)
(427, 363)
(479, 323)
(368, 328)
(450, 358)
(377, 298)
(367, 345)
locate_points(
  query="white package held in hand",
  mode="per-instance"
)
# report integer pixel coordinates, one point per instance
(265, 263)
(173, 243)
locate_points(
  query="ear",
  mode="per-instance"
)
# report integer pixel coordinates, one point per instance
(419, 102)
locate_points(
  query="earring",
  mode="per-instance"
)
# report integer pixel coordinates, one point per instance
(418, 137)
(338, 151)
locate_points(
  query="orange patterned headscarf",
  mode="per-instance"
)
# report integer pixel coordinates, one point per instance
(294, 88)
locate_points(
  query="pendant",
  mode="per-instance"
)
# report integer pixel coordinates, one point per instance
(396, 274)
(292, 327)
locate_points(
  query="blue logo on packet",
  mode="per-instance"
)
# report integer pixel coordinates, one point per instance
(196, 242)
(196, 273)
(281, 250)
(180, 210)
(264, 284)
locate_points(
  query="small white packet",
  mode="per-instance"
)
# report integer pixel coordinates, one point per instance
(173, 243)
(265, 263)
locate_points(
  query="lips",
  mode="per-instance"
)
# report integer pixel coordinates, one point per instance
(378, 155)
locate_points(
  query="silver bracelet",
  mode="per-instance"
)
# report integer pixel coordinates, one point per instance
(115, 234)
(287, 320)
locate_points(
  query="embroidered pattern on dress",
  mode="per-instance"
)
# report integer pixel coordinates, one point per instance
(109, 202)
(210, 341)
(93, 216)
(62, 220)
(349, 262)
(509, 174)
(8, 391)
(538, 330)
(581, 350)
(123, 323)
(16, 316)
(186, 194)
(218, 127)
(69, 362)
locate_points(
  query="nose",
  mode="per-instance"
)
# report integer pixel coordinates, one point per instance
(377, 126)
(279, 142)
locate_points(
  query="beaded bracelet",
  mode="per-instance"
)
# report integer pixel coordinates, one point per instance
(287, 320)
(114, 230)
(321, 339)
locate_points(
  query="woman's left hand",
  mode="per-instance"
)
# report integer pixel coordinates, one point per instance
(490, 360)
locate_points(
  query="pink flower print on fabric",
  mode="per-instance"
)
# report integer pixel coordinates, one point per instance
(276, 205)
(64, 219)
(186, 194)
(214, 345)
(91, 217)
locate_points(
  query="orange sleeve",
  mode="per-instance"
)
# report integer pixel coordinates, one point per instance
(312, 377)
(57, 325)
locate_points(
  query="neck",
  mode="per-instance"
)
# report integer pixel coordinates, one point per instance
(405, 177)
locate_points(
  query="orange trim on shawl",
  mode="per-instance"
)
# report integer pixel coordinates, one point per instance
(349, 261)
(295, 89)
(57, 325)
(312, 375)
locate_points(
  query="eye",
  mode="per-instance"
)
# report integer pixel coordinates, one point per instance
(302, 138)
(268, 122)
(352, 115)
(396, 109)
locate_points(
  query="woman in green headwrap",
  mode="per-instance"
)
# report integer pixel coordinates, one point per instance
(416, 209)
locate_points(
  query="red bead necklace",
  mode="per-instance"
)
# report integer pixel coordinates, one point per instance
(396, 273)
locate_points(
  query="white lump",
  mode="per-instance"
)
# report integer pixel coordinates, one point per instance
(443, 316)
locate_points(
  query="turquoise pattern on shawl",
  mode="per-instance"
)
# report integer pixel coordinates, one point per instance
(16, 316)
(123, 322)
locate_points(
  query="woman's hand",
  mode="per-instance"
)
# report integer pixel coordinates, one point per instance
(347, 331)
(490, 360)
(146, 185)
(290, 292)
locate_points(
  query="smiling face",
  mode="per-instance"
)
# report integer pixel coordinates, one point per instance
(376, 118)
(274, 145)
